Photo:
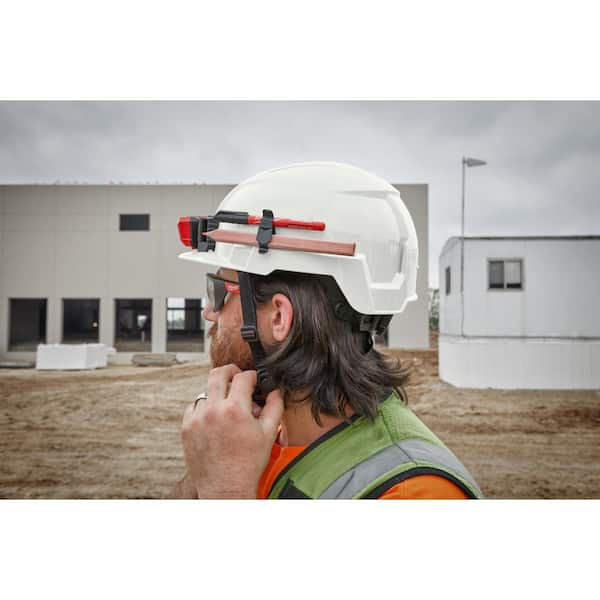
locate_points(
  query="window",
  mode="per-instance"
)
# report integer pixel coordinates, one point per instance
(496, 274)
(448, 281)
(185, 331)
(133, 325)
(80, 321)
(27, 324)
(512, 274)
(505, 274)
(134, 222)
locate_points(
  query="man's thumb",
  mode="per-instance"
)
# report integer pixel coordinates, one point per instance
(270, 415)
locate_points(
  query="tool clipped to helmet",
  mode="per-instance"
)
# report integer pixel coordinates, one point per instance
(202, 234)
(193, 230)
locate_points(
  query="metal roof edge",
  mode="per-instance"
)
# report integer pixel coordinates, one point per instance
(449, 244)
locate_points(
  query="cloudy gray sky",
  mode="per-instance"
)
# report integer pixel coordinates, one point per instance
(542, 177)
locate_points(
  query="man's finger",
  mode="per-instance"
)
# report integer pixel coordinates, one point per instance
(242, 388)
(189, 411)
(188, 418)
(219, 380)
(271, 414)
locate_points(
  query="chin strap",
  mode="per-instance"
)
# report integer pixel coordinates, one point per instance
(249, 333)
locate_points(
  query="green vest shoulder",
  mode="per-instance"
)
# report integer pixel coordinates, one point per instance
(364, 458)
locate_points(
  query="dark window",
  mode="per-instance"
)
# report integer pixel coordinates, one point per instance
(505, 274)
(496, 275)
(448, 281)
(133, 325)
(134, 222)
(185, 331)
(27, 324)
(80, 321)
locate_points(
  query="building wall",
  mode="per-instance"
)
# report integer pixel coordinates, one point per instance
(410, 329)
(559, 299)
(63, 241)
(520, 363)
(450, 304)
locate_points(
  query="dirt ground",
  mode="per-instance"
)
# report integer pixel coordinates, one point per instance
(114, 433)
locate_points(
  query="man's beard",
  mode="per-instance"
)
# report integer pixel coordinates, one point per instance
(229, 347)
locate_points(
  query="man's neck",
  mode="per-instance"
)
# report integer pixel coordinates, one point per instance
(299, 427)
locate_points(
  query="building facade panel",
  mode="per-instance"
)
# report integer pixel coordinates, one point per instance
(29, 263)
(69, 223)
(29, 224)
(410, 329)
(75, 200)
(30, 200)
(133, 260)
(81, 264)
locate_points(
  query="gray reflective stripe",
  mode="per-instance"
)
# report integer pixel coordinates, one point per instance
(358, 478)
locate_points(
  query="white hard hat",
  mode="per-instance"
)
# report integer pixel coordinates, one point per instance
(355, 206)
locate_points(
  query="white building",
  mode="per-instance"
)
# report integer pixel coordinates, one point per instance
(529, 316)
(98, 263)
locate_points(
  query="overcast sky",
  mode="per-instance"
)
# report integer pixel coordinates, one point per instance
(542, 177)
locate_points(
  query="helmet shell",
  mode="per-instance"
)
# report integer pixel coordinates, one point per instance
(356, 206)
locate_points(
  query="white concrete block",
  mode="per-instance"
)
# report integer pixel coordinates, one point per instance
(71, 356)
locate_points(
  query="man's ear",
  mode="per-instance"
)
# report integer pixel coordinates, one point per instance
(282, 317)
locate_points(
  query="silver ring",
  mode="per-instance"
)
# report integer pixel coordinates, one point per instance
(202, 396)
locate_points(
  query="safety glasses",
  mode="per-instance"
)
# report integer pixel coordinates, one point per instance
(217, 289)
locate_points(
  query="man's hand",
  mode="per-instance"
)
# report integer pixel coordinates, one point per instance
(227, 447)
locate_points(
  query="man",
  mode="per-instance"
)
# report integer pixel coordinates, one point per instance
(300, 404)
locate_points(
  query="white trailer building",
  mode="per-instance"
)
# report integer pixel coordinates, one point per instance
(98, 263)
(528, 316)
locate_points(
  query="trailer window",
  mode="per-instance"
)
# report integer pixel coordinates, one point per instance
(512, 271)
(505, 274)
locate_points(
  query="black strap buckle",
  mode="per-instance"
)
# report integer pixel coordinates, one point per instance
(264, 379)
(266, 229)
(249, 333)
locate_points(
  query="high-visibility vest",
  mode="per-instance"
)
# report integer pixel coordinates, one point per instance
(363, 458)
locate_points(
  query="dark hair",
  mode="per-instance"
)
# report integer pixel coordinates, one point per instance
(325, 357)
